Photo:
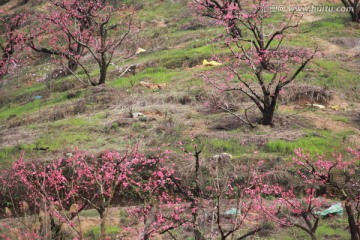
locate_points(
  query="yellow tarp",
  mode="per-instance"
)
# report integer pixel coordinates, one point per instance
(210, 64)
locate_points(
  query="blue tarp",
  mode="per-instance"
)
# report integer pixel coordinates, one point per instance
(335, 209)
(232, 211)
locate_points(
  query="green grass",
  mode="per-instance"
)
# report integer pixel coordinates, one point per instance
(322, 142)
(89, 213)
(154, 75)
(19, 110)
(217, 145)
(60, 140)
(94, 233)
(325, 232)
(57, 140)
(30, 89)
(340, 119)
(159, 11)
(331, 25)
(9, 154)
(331, 74)
(74, 123)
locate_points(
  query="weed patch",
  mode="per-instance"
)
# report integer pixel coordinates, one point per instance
(323, 143)
(94, 233)
(154, 75)
(330, 74)
(9, 154)
(217, 145)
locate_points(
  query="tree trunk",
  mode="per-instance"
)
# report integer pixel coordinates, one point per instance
(102, 225)
(352, 223)
(313, 237)
(268, 115)
(355, 17)
(355, 13)
(103, 72)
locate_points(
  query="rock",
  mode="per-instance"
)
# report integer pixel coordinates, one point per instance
(137, 115)
(68, 155)
(318, 106)
(8, 212)
(140, 50)
(226, 156)
(221, 158)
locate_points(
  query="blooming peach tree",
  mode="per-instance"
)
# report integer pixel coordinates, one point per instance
(10, 38)
(338, 178)
(74, 28)
(259, 65)
(60, 189)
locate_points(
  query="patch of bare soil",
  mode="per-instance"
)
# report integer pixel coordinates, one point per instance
(324, 123)
(14, 136)
(320, 122)
(346, 41)
(329, 47)
(286, 128)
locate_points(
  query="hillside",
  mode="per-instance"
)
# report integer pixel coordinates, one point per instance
(166, 100)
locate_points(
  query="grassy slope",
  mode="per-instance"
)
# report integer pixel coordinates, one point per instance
(171, 51)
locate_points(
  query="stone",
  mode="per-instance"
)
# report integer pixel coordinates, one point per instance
(222, 157)
(318, 106)
(137, 115)
(8, 212)
(140, 50)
